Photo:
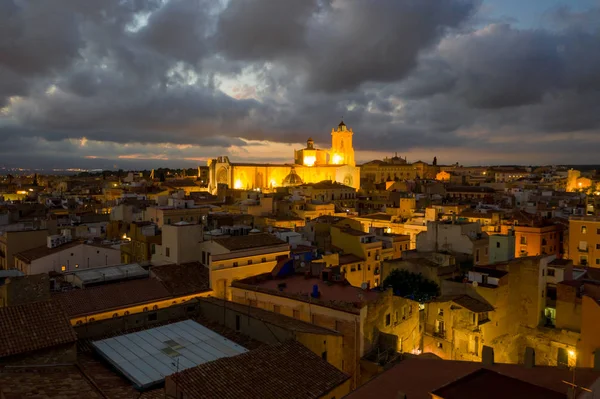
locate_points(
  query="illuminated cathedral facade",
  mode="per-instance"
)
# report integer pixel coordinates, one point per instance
(311, 165)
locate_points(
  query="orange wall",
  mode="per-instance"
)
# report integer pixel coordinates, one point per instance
(590, 332)
(535, 237)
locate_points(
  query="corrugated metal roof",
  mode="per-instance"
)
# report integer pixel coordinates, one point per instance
(147, 357)
(110, 273)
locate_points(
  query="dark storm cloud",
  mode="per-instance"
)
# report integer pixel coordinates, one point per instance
(264, 29)
(341, 45)
(404, 74)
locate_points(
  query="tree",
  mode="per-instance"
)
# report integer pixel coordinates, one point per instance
(411, 285)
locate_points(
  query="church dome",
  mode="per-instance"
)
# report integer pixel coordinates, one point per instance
(292, 179)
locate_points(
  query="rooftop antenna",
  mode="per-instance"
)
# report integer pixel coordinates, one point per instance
(574, 387)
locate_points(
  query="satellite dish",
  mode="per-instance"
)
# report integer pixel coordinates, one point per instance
(475, 283)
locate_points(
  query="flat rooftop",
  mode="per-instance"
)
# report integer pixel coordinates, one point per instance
(147, 357)
(239, 243)
(110, 273)
(301, 288)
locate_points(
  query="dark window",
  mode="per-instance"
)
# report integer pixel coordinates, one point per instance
(153, 317)
(235, 264)
(324, 355)
(550, 272)
(497, 245)
(237, 322)
(263, 260)
(388, 319)
(250, 261)
(168, 251)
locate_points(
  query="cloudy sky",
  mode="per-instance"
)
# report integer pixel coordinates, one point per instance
(149, 83)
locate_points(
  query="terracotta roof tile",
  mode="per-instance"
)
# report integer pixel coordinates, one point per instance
(44, 250)
(34, 326)
(285, 370)
(64, 382)
(417, 377)
(183, 279)
(473, 384)
(111, 296)
(238, 243)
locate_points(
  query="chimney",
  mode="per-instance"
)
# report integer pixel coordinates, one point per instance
(529, 357)
(487, 355)
(401, 395)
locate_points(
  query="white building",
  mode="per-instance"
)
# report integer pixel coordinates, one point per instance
(65, 257)
(180, 243)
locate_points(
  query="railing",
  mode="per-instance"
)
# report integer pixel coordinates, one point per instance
(434, 331)
(585, 250)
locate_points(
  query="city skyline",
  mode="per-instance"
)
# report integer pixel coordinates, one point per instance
(175, 83)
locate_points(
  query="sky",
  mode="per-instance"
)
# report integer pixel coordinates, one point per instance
(140, 84)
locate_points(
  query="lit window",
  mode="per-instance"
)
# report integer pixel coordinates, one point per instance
(583, 229)
(63, 268)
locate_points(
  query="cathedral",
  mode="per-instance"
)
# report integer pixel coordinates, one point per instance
(311, 165)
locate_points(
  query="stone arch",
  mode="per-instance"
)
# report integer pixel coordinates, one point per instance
(222, 177)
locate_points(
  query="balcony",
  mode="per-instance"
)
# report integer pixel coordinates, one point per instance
(439, 334)
(435, 331)
(583, 250)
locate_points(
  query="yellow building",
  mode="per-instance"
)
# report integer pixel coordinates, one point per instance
(584, 240)
(311, 165)
(361, 316)
(13, 242)
(575, 182)
(443, 176)
(144, 237)
(169, 285)
(397, 169)
(363, 255)
(238, 257)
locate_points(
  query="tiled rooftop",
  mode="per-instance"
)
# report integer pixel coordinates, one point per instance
(42, 251)
(238, 243)
(378, 216)
(349, 258)
(111, 296)
(472, 385)
(472, 304)
(64, 382)
(352, 232)
(285, 370)
(38, 325)
(417, 377)
(183, 279)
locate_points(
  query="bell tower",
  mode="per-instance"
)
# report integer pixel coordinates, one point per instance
(342, 152)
